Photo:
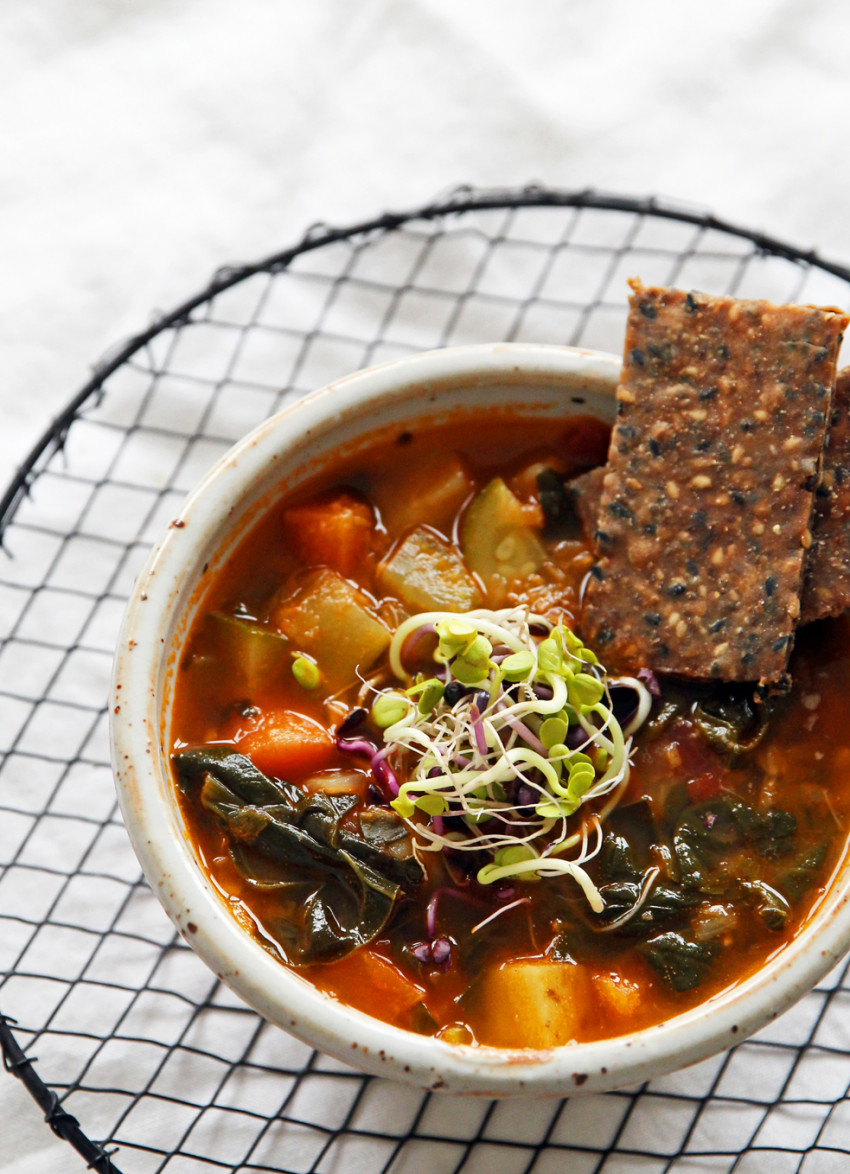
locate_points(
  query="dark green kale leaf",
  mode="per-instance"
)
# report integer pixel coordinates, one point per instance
(682, 963)
(345, 885)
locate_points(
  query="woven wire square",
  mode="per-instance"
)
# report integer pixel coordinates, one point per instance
(135, 1038)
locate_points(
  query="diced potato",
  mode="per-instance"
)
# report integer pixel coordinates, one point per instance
(531, 1003)
(427, 574)
(335, 624)
(620, 996)
(250, 654)
(497, 542)
(335, 532)
(435, 491)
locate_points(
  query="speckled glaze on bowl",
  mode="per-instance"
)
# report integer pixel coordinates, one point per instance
(552, 382)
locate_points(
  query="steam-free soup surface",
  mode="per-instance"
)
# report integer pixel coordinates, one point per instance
(730, 826)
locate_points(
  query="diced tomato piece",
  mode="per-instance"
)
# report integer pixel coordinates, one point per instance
(697, 754)
(701, 766)
(335, 532)
(289, 745)
(391, 993)
(705, 786)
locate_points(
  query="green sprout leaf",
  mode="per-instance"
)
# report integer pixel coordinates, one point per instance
(432, 804)
(553, 732)
(470, 674)
(518, 666)
(585, 691)
(306, 672)
(388, 709)
(431, 696)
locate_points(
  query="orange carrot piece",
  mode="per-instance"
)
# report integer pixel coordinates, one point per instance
(332, 531)
(289, 745)
(391, 993)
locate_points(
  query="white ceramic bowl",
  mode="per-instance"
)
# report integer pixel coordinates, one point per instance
(553, 382)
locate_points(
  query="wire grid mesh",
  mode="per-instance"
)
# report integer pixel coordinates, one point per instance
(139, 1049)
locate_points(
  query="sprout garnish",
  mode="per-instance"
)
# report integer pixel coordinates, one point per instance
(513, 736)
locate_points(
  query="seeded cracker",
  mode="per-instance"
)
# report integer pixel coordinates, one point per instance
(827, 582)
(706, 505)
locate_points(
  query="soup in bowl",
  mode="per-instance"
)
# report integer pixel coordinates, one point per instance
(387, 791)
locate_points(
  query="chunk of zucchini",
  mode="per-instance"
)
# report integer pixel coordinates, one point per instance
(435, 491)
(250, 655)
(427, 574)
(334, 623)
(498, 544)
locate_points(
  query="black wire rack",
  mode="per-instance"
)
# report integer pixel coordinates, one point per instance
(135, 1053)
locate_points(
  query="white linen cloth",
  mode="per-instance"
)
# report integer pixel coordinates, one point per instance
(146, 143)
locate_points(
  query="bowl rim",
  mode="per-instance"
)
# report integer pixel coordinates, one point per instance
(283, 996)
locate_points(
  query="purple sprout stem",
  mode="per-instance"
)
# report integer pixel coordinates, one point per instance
(527, 735)
(411, 643)
(478, 731)
(382, 772)
(648, 677)
(357, 746)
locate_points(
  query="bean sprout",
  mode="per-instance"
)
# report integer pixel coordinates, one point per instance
(481, 748)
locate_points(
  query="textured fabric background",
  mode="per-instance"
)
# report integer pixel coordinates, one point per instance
(143, 144)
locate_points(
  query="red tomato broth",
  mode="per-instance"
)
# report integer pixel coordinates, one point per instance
(611, 988)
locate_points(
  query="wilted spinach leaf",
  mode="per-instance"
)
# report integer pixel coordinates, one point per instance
(803, 872)
(626, 847)
(559, 512)
(680, 962)
(353, 881)
(768, 903)
(665, 903)
(734, 721)
(708, 833)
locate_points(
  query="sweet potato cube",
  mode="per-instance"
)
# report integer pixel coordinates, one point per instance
(428, 574)
(435, 491)
(618, 994)
(335, 624)
(531, 1003)
(393, 992)
(334, 532)
(289, 745)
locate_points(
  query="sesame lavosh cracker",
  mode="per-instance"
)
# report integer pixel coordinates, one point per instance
(826, 586)
(707, 499)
